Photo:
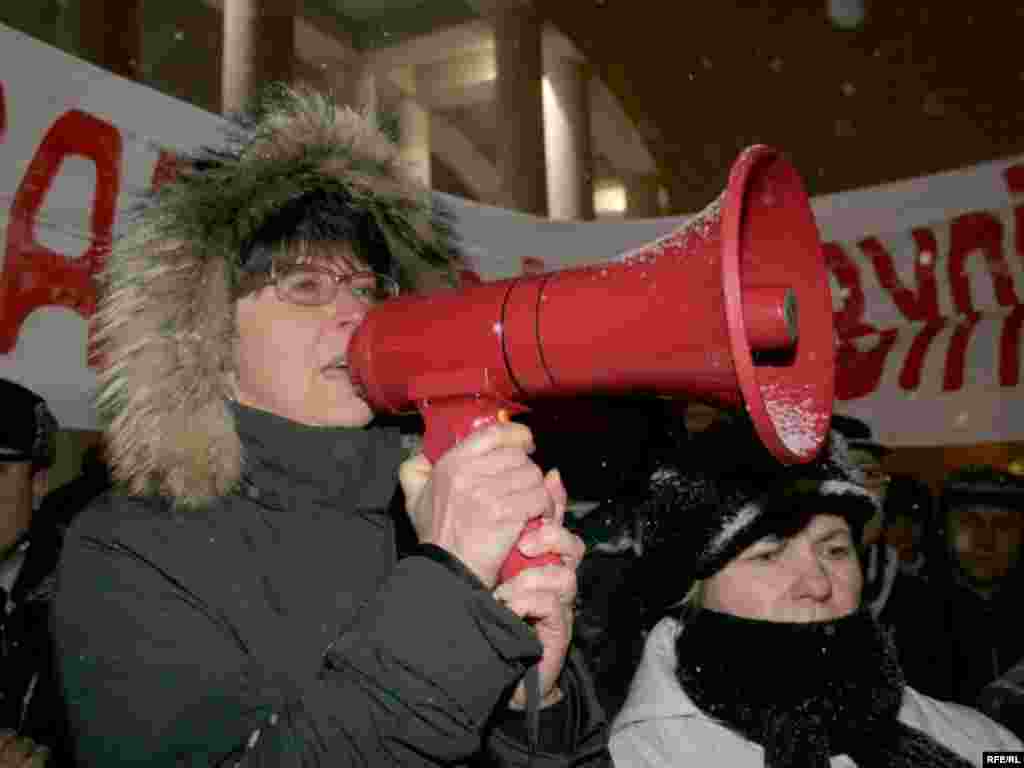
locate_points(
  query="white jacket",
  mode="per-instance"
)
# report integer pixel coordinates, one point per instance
(660, 727)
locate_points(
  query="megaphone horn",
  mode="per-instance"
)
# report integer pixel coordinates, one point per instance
(732, 308)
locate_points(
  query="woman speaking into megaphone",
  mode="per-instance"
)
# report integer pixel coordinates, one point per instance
(238, 601)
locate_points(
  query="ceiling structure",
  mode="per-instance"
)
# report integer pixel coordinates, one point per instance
(679, 88)
(374, 24)
(450, 45)
(916, 88)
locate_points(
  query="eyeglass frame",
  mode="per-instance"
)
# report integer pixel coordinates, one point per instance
(338, 280)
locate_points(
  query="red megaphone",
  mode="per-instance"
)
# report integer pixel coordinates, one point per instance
(732, 308)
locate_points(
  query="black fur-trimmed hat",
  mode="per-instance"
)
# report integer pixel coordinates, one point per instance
(728, 492)
(28, 429)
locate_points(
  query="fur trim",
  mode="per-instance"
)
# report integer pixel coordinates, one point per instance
(166, 332)
(301, 147)
(165, 326)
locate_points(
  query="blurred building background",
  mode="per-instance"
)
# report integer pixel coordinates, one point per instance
(576, 108)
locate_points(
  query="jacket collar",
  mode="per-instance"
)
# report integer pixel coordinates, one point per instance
(287, 464)
(655, 693)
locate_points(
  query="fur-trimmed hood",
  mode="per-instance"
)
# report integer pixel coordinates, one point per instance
(166, 328)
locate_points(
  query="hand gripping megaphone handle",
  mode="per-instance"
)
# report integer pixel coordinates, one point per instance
(451, 419)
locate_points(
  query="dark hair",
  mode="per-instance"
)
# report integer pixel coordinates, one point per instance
(318, 217)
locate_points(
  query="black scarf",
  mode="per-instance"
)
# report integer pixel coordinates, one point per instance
(805, 692)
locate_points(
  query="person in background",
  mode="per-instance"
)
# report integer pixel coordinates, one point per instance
(908, 513)
(31, 711)
(20, 751)
(982, 511)
(772, 659)
(62, 504)
(238, 599)
(879, 561)
(867, 455)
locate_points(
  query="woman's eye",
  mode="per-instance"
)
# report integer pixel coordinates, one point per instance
(767, 555)
(307, 286)
(840, 551)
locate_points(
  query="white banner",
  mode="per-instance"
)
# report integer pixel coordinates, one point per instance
(926, 273)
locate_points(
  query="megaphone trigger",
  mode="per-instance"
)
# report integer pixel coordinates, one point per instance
(449, 420)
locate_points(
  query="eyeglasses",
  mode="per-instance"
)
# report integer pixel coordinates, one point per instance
(312, 285)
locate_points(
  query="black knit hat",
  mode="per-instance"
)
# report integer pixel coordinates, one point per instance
(983, 485)
(728, 492)
(28, 429)
(858, 435)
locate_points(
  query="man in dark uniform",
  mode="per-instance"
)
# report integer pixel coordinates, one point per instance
(983, 532)
(31, 717)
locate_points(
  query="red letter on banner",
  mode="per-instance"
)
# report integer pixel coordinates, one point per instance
(857, 372)
(969, 233)
(910, 376)
(33, 275)
(956, 357)
(1009, 348)
(920, 306)
(849, 321)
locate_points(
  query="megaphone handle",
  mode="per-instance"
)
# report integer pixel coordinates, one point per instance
(451, 419)
(517, 561)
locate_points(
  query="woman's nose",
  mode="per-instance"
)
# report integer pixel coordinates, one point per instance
(812, 579)
(349, 308)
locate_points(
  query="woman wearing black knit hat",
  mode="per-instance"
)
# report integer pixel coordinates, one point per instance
(771, 661)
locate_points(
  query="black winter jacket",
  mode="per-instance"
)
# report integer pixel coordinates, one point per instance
(277, 628)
